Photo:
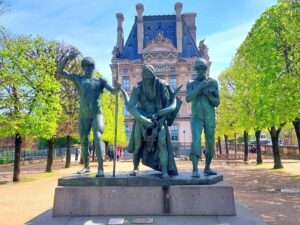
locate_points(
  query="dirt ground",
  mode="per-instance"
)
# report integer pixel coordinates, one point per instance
(257, 187)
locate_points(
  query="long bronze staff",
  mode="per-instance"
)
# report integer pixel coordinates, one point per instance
(116, 123)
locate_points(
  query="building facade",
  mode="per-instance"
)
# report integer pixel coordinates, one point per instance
(168, 43)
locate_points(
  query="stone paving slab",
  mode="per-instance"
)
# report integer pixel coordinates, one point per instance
(243, 217)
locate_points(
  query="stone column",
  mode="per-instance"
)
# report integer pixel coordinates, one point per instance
(140, 27)
(178, 8)
(120, 37)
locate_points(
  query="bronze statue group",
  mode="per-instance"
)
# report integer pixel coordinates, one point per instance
(154, 107)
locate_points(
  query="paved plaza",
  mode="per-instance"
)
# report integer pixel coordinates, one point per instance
(273, 196)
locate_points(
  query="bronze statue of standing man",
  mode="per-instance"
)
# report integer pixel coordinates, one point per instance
(203, 93)
(90, 113)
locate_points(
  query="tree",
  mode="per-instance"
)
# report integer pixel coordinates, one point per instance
(265, 71)
(272, 48)
(296, 124)
(108, 103)
(50, 154)
(69, 98)
(226, 112)
(245, 99)
(219, 145)
(291, 47)
(259, 159)
(29, 100)
(226, 144)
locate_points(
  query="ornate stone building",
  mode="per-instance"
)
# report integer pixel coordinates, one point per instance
(168, 42)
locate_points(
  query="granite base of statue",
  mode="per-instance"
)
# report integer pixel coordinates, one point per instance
(144, 194)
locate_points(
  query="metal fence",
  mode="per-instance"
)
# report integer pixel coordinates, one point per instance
(7, 156)
(184, 149)
(286, 151)
(179, 149)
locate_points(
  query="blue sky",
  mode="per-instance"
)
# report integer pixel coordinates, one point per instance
(92, 26)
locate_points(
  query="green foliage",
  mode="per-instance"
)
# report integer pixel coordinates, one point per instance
(265, 72)
(226, 112)
(271, 55)
(29, 100)
(60, 142)
(109, 103)
(69, 97)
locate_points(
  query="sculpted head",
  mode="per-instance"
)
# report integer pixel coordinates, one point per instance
(88, 65)
(201, 66)
(148, 72)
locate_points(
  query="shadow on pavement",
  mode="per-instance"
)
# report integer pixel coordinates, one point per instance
(244, 217)
(46, 219)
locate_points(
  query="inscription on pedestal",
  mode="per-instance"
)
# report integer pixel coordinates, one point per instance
(142, 221)
(116, 221)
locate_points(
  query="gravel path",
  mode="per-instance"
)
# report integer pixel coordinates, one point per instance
(259, 190)
(256, 188)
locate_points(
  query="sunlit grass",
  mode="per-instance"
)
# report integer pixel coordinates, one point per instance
(293, 170)
(36, 176)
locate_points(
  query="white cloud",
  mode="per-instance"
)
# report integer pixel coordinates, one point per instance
(223, 45)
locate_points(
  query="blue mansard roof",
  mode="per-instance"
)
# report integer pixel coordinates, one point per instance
(154, 24)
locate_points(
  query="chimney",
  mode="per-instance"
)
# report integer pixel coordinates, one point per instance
(189, 19)
(120, 37)
(140, 27)
(178, 8)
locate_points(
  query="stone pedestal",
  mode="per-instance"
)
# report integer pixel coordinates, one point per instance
(143, 195)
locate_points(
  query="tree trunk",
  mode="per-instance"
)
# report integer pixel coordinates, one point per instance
(93, 150)
(220, 146)
(106, 149)
(296, 124)
(18, 146)
(68, 155)
(275, 148)
(235, 145)
(246, 146)
(50, 155)
(81, 158)
(226, 144)
(258, 148)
